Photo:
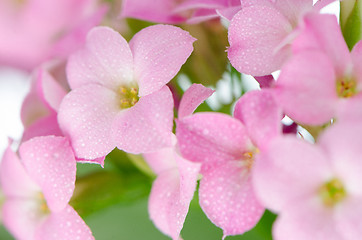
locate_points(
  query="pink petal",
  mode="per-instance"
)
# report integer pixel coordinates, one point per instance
(189, 173)
(348, 218)
(228, 13)
(43, 127)
(15, 181)
(306, 88)
(260, 114)
(156, 11)
(322, 32)
(342, 145)
(147, 126)
(254, 34)
(293, 10)
(165, 208)
(171, 195)
(52, 91)
(106, 60)
(161, 161)
(99, 161)
(22, 217)
(51, 163)
(304, 219)
(159, 52)
(212, 137)
(289, 160)
(227, 198)
(86, 116)
(192, 98)
(66, 224)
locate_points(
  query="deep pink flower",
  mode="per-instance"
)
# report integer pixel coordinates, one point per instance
(226, 147)
(119, 97)
(323, 77)
(315, 189)
(34, 31)
(37, 189)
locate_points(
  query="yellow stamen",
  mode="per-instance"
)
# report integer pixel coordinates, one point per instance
(332, 192)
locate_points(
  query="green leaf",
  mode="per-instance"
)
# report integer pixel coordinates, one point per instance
(350, 20)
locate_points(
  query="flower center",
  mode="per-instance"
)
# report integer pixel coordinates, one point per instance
(248, 158)
(346, 87)
(43, 207)
(128, 96)
(332, 192)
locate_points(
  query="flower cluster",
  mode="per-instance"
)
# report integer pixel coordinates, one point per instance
(93, 91)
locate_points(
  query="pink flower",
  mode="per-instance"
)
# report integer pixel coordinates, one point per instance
(34, 31)
(260, 34)
(323, 77)
(226, 147)
(316, 189)
(37, 190)
(172, 191)
(119, 97)
(40, 108)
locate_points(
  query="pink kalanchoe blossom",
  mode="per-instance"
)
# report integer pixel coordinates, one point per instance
(34, 31)
(172, 191)
(175, 185)
(322, 77)
(260, 34)
(226, 147)
(119, 97)
(316, 189)
(40, 107)
(176, 11)
(38, 188)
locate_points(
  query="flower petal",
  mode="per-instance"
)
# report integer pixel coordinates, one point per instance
(342, 144)
(322, 32)
(227, 198)
(156, 11)
(171, 195)
(306, 219)
(212, 137)
(66, 224)
(192, 98)
(15, 181)
(159, 52)
(254, 34)
(106, 60)
(43, 127)
(147, 126)
(289, 160)
(85, 116)
(306, 88)
(51, 163)
(260, 114)
(347, 218)
(22, 217)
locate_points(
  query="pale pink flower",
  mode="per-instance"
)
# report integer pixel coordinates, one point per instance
(315, 189)
(323, 77)
(260, 34)
(119, 96)
(172, 191)
(34, 31)
(226, 147)
(38, 188)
